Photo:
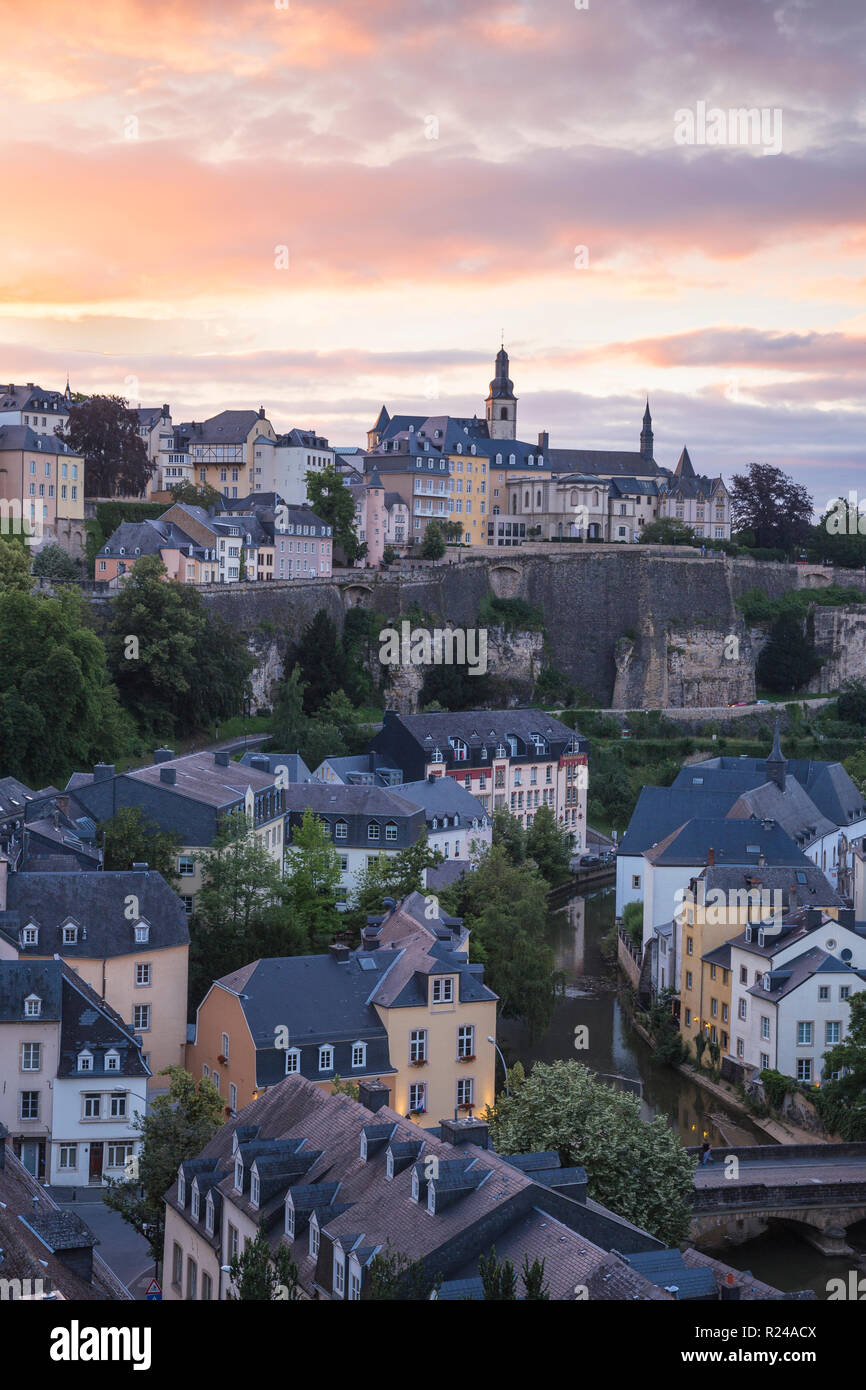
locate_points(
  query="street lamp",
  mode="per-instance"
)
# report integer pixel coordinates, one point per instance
(502, 1060)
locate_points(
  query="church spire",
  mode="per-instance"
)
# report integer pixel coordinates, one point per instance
(501, 404)
(646, 435)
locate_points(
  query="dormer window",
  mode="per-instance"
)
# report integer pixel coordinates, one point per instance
(326, 1058)
(70, 935)
(32, 1006)
(255, 1190)
(389, 1166)
(460, 749)
(290, 1219)
(30, 936)
(142, 932)
(196, 1202)
(112, 1060)
(181, 1189)
(767, 983)
(314, 1236)
(208, 1215)
(85, 1061)
(293, 1061)
(239, 1174)
(443, 989)
(416, 1186)
(748, 933)
(359, 1054)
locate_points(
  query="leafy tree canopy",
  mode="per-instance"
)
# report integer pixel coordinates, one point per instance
(104, 432)
(53, 563)
(130, 838)
(772, 506)
(332, 501)
(639, 1170)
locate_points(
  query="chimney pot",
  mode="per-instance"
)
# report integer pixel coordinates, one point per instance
(373, 1095)
(168, 775)
(711, 857)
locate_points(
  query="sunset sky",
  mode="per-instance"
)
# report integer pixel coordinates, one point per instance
(157, 155)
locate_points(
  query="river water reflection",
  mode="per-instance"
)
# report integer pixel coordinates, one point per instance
(615, 1050)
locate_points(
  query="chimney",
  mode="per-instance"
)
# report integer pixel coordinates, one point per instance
(103, 772)
(221, 757)
(261, 761)
(141, 867)
(168, 775)
(163, 755)
(431, 777)
(339, 953)
(845, 917)
(166, 411)
(711, 858)
(544, 441)
(469, 1131)
(373, 1095)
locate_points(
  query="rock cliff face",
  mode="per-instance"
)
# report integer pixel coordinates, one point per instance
(636, 629)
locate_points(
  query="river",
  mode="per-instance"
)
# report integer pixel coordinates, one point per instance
(590, 1014)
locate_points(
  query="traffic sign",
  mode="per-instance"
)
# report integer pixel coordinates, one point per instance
(153, 1293)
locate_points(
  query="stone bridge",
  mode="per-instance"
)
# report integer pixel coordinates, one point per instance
(817, 1191)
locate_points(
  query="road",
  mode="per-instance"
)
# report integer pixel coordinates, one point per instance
(122, 1249)
(787, 1172)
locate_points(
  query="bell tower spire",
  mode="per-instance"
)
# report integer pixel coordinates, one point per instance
(501, 403)
(646, 435)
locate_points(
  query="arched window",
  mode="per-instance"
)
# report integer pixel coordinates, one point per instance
(498, 460)
(595, 499)
(538, 498)
(503, 412)
(511, 458)
(575, 495)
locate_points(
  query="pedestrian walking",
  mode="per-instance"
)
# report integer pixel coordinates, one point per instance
(706, 1154)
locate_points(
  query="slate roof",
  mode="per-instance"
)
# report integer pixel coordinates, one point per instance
(228, 427)
(445, 874)
(33, 1228)
(731, 841)
(626, 463)
(795, 927)
(483, 725)
(668, 1270)
(369, 1210)
(793, 809)
(18, 979)
(320, 1001)
(97, 902)
(14, 437)
(443, 796)
(798, 883)
(296, 768)
(791, 974)
(89, 1024)
(827, 783)
(336, 798)
(202, 779)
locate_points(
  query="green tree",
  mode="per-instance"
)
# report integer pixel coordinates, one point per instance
(15, 562)
(389, 555)
(842, 1102)
(288, 722)
(632, 921)
(851, 704)
(772, 506)
(178, 1126)
(499, 1278)
(241, 909)
(391, 876)
(639, 1170)
(534, 1283)
(788, 661)
(130, 837)
(262, 1275)
(433, 544)
(393, 1276)
(508, 832)
(54, 563)
(332, 501)
(505, 907)
(202, 496)
(104, 432)
(58, 708)
(550, 846)
(312, 882)
(322, 661)
(667, 530)
(176, 670)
